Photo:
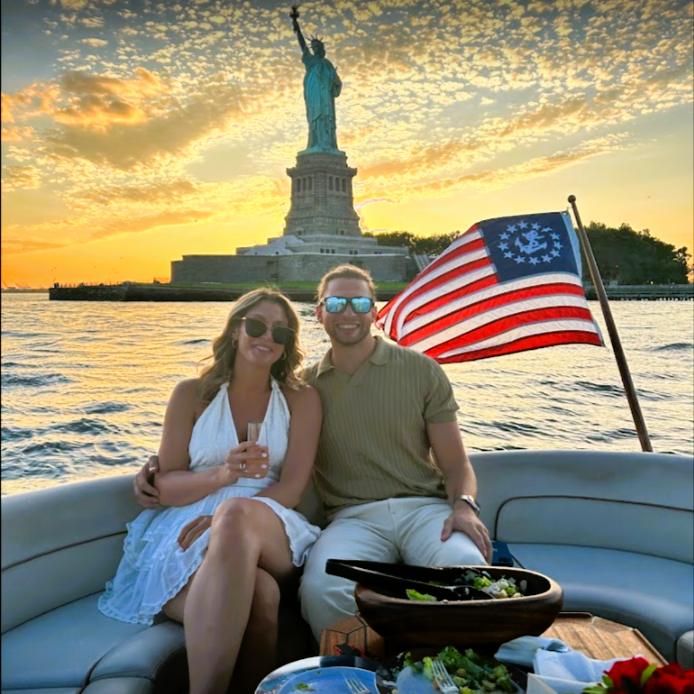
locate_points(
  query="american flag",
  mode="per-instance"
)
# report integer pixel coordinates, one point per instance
(506, 285)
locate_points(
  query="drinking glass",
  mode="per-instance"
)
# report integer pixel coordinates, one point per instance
(254, 429)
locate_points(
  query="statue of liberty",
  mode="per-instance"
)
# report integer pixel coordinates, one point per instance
(321, 86)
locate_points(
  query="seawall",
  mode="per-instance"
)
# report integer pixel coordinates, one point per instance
(132, 291)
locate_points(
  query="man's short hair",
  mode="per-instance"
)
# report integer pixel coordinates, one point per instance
(346, 271)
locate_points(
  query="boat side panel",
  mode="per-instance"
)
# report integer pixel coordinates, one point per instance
(61, 544)
(593, 522)
(41, 584)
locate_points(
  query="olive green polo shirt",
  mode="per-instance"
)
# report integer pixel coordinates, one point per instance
(373, 443)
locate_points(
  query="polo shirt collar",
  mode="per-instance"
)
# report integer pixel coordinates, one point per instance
(381, 353)
(379, 356)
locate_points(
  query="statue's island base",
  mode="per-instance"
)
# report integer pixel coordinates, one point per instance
(306, 291)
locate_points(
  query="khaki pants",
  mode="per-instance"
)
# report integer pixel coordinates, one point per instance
(393, 530)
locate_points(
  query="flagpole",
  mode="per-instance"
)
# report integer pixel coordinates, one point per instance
(614, 336)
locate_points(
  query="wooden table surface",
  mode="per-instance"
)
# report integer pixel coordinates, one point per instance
(596, 637)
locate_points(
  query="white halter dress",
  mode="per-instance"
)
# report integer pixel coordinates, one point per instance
(154, 568)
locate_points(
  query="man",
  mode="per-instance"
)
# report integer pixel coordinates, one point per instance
(386, 410)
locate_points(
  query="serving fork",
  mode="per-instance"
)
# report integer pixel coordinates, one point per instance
(356, 687)
(443, 680)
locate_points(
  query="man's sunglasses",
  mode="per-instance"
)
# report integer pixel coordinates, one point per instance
(281, 335)
(337, 304)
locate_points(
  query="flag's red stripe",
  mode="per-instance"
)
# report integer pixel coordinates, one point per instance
(441, 280)
(524, 344)
(502, 325)
(421, 279)
(455, 293)
(557, 288)
(444, 258)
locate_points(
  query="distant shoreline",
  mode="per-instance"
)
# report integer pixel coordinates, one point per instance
(26, 290)
(306, 291)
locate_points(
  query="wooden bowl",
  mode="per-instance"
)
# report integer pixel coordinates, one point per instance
(407, 623)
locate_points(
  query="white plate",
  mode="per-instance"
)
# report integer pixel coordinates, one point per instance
(328, 680)
(276, 680)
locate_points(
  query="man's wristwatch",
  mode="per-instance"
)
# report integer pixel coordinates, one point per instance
(469, 500)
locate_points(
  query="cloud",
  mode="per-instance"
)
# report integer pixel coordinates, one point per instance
(16, 134)
(78, 82)
(17, 246)
(99, 113)
(15, 177)
(163, 191)
(149, 222)
(494, 178)
(146, 143)
(94, 42)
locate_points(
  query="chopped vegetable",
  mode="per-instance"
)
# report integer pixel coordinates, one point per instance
(472, 673)
(415, 595)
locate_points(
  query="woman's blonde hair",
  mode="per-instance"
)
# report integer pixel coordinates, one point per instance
(286, 370)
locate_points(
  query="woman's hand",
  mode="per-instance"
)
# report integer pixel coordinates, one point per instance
(193, 530)
(246, 460)
(146, 494)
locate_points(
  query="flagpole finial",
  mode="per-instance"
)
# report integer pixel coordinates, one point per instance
(572, 199)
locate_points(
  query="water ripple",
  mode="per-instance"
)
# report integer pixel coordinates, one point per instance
(17, 380)
(676, 346)
(86, 386)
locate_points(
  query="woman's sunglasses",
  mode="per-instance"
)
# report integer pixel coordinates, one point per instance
(337, 304)
(281, 335)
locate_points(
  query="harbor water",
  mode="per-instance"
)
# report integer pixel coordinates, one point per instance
(85, 385)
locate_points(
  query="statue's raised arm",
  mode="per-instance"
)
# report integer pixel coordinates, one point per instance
(321, 87)
(294, 14)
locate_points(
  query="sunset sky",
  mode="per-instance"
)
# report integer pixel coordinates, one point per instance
(135, 132)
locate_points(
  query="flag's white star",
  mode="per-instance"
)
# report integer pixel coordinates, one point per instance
(546, 230)
(555, 253)
(503, 236)
(535, 225)
(519, 259)
(555, 236)
(508, 254)
(534, 261)
(558, 245)
(503, 246)
(522, 225)
(547, 258)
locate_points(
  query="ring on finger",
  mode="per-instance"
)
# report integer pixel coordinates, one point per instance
(242, 466)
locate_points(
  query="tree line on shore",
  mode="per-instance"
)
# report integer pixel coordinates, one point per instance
(624, 255)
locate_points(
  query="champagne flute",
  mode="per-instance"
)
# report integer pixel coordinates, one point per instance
(254, 429)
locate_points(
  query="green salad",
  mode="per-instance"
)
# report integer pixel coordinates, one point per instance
(473, 673)
(502, 588)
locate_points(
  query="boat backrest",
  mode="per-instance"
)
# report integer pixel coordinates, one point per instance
(61, 544)
(638, 502)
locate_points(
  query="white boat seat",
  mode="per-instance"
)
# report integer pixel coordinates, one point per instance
(75, 645)
(685, 650)
(651, 594)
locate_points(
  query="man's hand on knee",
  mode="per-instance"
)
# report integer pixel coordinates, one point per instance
(465, 520)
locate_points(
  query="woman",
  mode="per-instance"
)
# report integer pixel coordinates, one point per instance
(213, 560)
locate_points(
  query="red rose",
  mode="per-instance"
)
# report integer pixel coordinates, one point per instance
(670, 679)
(626, 674)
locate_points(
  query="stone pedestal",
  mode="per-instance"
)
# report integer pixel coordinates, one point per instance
(322, 202)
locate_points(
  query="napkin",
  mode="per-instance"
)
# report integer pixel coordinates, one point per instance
(521, 651)
(569, 672)
(550, 685)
